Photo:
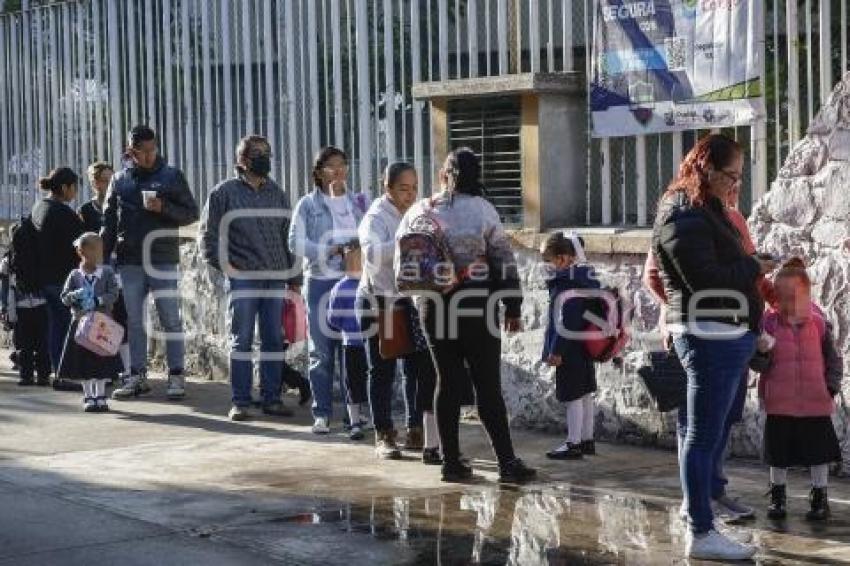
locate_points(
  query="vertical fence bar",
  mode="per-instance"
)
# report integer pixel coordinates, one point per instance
(568, 36)
(640, 174)
(793, 39)
(389, 84)
(99, 117)
(82, 90)
(291, 109)
(472, 39)
(843, 26)
(150, 67)
(810, 73)
(443, 34)
(550, 43)
(488, 36)
(364, 122)
(313, 65)
(336, 53)
(825, 66)
(190, 139)
(42, 114)
(4, 117)
(114, 83)
(502, 34)
(533, 35)
(247, 69)
(227, 71)
(758, 131)
(208, 89)
(777, 117)
(415, 77)
(168, 71)
(27, 155)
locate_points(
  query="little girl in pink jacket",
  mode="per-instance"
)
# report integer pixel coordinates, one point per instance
(800, 374)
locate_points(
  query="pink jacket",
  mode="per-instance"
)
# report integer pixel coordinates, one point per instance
(801, 364)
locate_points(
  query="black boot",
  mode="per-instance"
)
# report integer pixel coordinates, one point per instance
(777, 507)
(820, 505)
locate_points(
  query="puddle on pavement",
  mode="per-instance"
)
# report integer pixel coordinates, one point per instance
(554, 526)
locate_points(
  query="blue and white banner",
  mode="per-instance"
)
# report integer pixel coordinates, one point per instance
(672, 65)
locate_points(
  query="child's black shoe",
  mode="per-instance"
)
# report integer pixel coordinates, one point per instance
(777, 509)
(26, 382)
(566, 451)
(102, 406)
(820, 505)
(431, 456)
(588, 448)
(90, 405)
(456, 472)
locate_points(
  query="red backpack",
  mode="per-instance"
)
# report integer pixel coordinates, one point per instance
(608, 333)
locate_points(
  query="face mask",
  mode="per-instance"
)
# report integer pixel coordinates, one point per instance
(261, 165)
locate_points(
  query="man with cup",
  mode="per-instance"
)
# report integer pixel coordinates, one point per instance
(147, 202)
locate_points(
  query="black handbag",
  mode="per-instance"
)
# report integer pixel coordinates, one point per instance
(665, 380)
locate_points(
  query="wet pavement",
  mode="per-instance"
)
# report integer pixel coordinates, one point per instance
(155, 482)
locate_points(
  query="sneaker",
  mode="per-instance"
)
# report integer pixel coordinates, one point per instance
(819, 502)
(414, 440)
(431, 457)
(101, 404)
(136, 384)
(738, 535)
(777, 509)
(516, 471)
(456, 472)
(176, 388)
(238, 414)
(566, 451)
(89, 405)
(588, 447)
(727, 509)
(26, 382)
(715, 546)
(356, 433)
(321, 426)
(277, 409)
(385, 445)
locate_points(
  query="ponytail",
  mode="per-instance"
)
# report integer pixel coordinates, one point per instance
(57, 179)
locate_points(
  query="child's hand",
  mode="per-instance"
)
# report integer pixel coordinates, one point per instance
(554, 360)
(765, 343)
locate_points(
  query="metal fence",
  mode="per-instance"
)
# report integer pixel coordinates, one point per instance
(306, 73)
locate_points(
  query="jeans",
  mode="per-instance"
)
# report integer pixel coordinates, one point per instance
(137, 284)
(714, 369)
(250, 301)
(324, 349)
(58, 321)
(477, 346)
(419, 377)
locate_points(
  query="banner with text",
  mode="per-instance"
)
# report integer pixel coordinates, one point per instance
(672, 65)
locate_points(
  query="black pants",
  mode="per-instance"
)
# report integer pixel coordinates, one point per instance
(356, 374)
(476, 346)
(31, 343)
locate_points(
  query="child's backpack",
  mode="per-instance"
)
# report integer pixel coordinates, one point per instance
(24, 256)
(608, 336)
(423, 260)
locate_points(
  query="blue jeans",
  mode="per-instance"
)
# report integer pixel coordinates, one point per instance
(250, 300)
(137, 284)
(58, 321)
(714, 369)
(718, 478)
(323, 348)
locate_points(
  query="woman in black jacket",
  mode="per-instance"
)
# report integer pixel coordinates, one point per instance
(58, 226)
(713, 314)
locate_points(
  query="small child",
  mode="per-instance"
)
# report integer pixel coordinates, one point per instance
(575, 373)
(801, 372)
(342, 318)
(25, 309)
(92, 286)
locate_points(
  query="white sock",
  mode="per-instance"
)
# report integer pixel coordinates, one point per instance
(354, 414)
(589, 415)
(124, 352)
(778, 476)
(432, 434)
(820, 475)
(575, 420)
(100, 387)
(88, 388)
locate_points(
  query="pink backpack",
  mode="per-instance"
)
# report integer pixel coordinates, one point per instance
(98, 333)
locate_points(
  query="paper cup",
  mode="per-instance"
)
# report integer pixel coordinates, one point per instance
(148, 196)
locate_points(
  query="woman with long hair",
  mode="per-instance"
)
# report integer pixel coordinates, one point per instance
(484, 264)
(713, 314)
(324, 221)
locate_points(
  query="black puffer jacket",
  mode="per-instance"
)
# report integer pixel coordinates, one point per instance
(58, 226)
(126, 222)
(699, 250)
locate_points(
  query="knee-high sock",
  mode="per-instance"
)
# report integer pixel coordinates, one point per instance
(100, 388)
(588, 417)
(575, 420)
(820, 475)
(778, 476)
(354, 413)
(432, 435)
(124, 352)
(88, 388)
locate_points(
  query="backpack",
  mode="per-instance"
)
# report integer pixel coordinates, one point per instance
(607, 335)
(24, 257)
(423, 260)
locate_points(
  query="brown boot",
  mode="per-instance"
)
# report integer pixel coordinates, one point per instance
(414, 440)
(385, 445)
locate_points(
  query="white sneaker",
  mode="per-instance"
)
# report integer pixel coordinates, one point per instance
(321, 426)
(176, 388)
(134, 385)
(730, 510)
(714, 546)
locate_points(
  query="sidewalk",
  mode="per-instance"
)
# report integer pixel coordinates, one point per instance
(155, 482)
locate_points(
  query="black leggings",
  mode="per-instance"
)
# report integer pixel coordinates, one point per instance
(476, 346)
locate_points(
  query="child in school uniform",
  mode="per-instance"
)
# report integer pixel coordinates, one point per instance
(91, 286)
(342, 318)
(575, 373)
(801, 372)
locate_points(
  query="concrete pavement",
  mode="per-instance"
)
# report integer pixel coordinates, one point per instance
(156, 482)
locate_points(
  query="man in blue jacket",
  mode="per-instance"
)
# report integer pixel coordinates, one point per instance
(147, 202)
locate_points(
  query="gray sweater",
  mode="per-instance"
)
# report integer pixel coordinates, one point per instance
(105, 289)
